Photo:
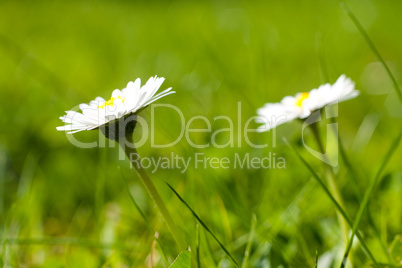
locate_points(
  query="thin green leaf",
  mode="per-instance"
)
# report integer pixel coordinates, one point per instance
(324, 70)
(271, 231)
(182, 261)
(79, 242)
(249, 241)
(396, 249)
(372, 47)
(204, 225)
(337, 205)
(208, 249)
(346, 161)
(137, 207)
(197, 244)
(323, 65)
(359, 195)
(100, 182)
(367, 195)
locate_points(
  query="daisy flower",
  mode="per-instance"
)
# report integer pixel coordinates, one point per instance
(116, 118)
(101, 113)
(302, 105)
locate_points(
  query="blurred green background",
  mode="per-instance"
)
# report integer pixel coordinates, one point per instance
(63, 206)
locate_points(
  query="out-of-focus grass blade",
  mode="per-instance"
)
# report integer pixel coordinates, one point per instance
(339, 208)
(78, 242)
(4, 240)
(271, 231)
(208, 249)
(349, 167)
(321, 57)
(359, 195)
(225, 219)
(370, 189)
(345, 158)
(182, 261)
(324, 70)
(249, 241)
(204, 225)
(197, 244)
(100, 182)
(372, 47)
(396, 249)
(388, 265)
(318, 179)
(316, 259)
(398, 91)
(142, 215)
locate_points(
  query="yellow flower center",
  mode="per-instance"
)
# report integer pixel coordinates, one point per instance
(111, 101)
(301, 98)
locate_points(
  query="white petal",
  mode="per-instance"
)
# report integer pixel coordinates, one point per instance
(75, 117)
(157, 97)
(120, 109)
(132, 87)
(97, 102)
(116, 93)
(275, 114)
(150, 88)
(71, 128)
(129, 99)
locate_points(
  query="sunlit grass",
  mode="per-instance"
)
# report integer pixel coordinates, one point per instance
(66, 206)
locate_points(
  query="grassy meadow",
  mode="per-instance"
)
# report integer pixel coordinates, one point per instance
(65, 206)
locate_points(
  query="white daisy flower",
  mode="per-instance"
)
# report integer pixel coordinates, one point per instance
(99, 113)
(304, 104)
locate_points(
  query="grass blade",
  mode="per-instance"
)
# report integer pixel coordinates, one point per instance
(249, 241)
(368, 193)
(100, 182)
(137, 207)
(342, 150)
(337, 205)
(321, 57)
(354, 175)
(204, 225)
(373, 48)
(208, 249)
(72, 241)
(334, 121)
(182, 261)
(197, 244)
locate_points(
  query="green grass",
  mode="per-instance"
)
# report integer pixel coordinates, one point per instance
(63, 206)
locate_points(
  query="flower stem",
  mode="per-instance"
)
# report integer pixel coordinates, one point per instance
(129, 151)
(331, 182)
